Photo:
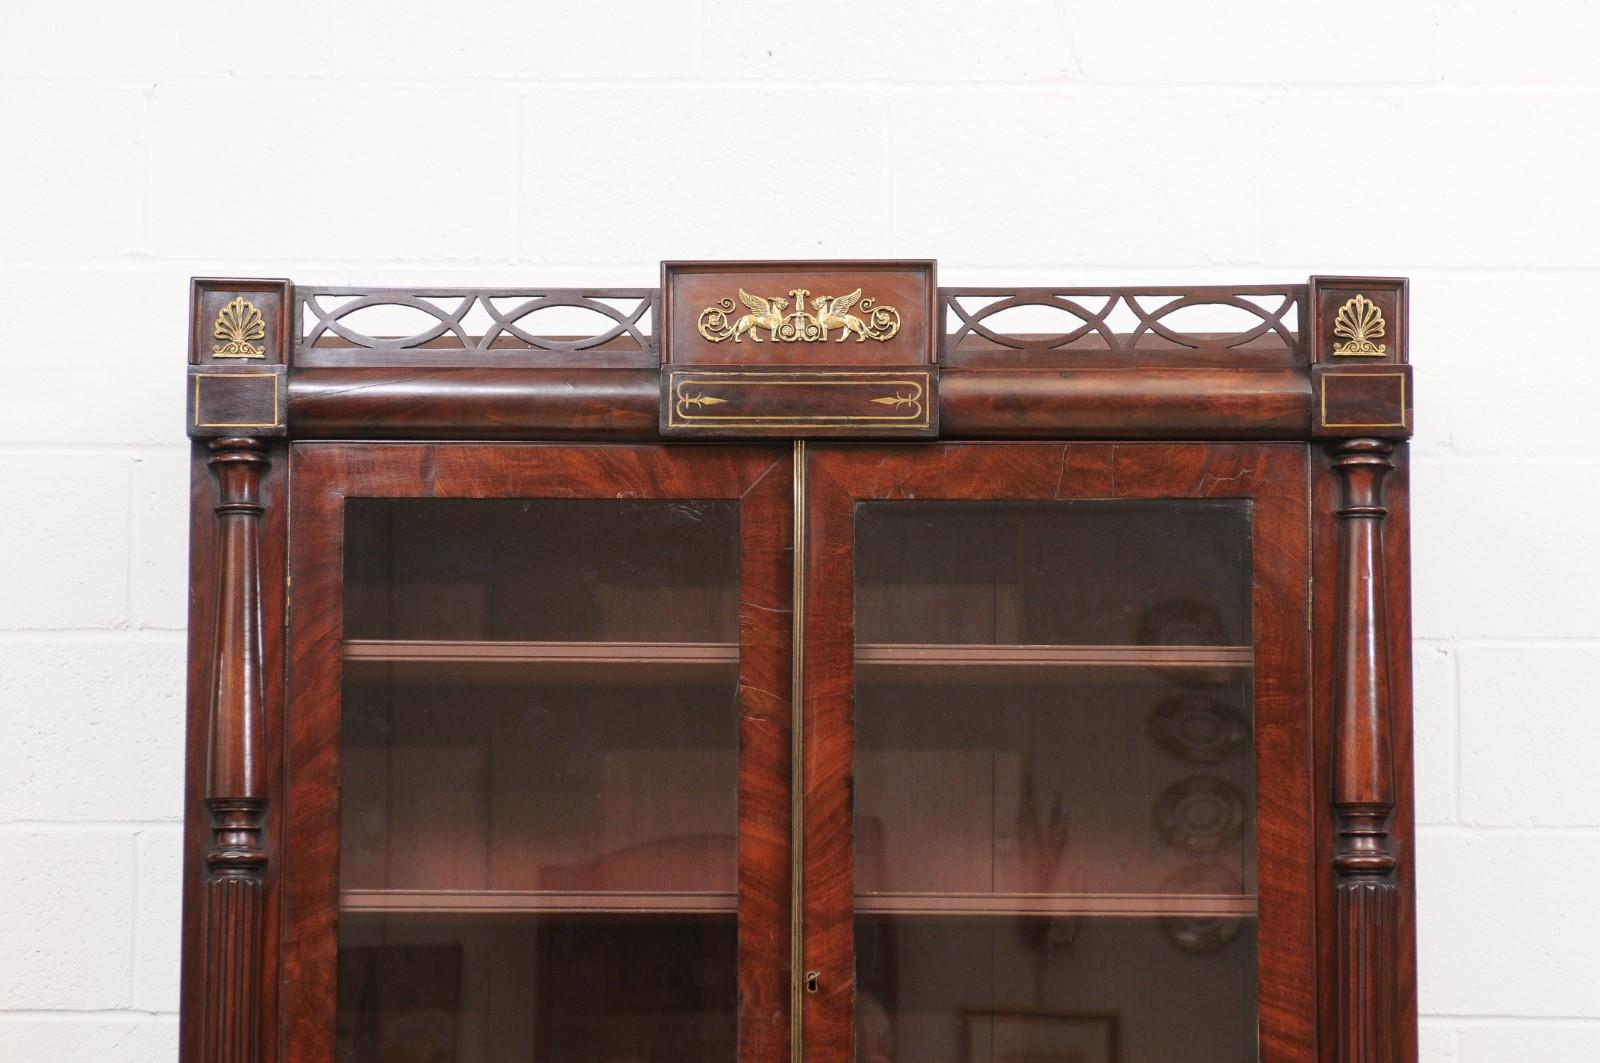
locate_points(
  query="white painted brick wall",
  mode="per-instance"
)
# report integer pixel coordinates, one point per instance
(512, 142)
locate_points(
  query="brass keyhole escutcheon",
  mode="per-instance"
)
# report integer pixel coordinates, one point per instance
(813, 979)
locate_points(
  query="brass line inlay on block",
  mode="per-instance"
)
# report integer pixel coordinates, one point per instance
(1391, 424)
(904, 396)
(232, 424)
(832, 312)
(698, 400)
(1360, 322)
(239, 322)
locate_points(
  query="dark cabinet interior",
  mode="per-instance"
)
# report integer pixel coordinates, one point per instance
(539, 780)
(1053, 813)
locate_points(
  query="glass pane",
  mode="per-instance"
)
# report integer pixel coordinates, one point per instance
(1055, 785)
(539, 781)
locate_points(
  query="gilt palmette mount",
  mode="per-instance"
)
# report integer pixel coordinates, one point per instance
(828, 314)
(238, 323)
(1359, 322)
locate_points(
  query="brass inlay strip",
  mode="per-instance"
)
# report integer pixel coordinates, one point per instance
(797, 774)
(690, 392)
(274, 423)
(1388, 424)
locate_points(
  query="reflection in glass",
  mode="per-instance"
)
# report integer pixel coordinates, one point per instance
(539, 775)
(1055, 786)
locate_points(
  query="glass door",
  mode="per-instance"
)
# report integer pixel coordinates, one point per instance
(1067, 686)
(541, 703)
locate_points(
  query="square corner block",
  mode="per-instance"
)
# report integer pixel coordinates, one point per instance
(240, 322)
(1359, 320)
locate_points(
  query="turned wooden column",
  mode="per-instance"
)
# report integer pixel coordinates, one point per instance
(1363, 776)
(235, 778)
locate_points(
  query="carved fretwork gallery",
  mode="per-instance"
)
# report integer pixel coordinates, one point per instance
(472, 571)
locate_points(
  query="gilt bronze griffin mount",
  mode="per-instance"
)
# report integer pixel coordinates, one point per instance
(876, 322)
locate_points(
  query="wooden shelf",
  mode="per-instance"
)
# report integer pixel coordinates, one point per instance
(514, 902)
(1128, 905)
(517, 902)
(463, 660)
(912, 663)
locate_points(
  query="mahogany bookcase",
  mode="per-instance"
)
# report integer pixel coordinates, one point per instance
(799, 660)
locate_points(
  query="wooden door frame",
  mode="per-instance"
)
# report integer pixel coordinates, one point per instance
(1274, 477)
(323, 476)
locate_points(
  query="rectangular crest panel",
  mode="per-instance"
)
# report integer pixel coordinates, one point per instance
(872, 313)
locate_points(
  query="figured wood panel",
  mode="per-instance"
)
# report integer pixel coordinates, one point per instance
(1001, 402)
(1273, 478)
(598, 405)
(1107, 403)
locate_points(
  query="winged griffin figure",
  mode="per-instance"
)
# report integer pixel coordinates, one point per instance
(764, 313)
(834, 313)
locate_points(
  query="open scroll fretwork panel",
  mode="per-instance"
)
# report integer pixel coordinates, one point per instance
(474, 326)
(1188, 325)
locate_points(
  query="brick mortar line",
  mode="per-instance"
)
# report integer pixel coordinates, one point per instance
(149, 636)
(137, 451)
(133, 827)
(1435, 85)
(1458, 829)
(65, 1015)
(1510, 642)
(1494, 1021)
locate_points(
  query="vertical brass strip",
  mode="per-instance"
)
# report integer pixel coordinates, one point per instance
(797, 748)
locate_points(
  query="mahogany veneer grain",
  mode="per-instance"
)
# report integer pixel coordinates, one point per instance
(1200, 415)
